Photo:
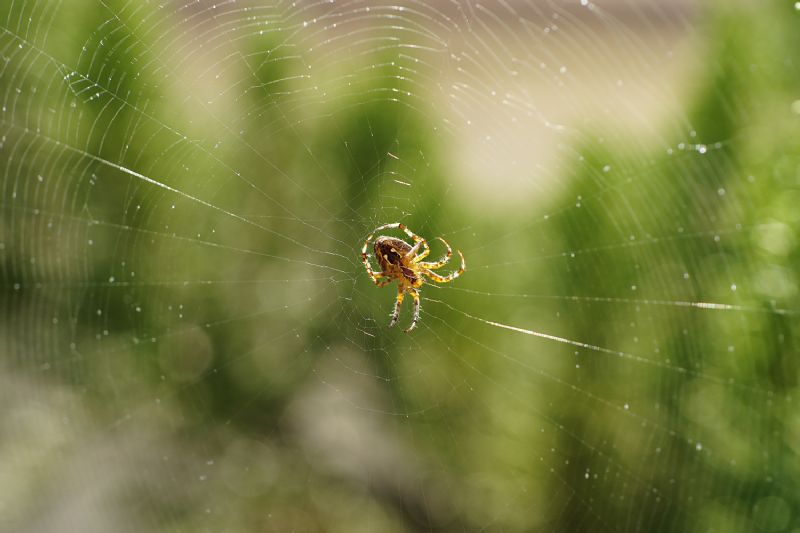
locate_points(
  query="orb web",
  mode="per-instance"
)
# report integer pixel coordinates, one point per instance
(186, 188)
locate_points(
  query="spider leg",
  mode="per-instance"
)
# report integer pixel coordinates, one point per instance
(450, 277)
(364, 259)
(436, 264)
(374, 276)
(417, 239)
(425, 252)
(415, 295)
(398, 303)
(412, 253)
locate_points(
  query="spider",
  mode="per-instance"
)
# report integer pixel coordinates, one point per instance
(399, 260)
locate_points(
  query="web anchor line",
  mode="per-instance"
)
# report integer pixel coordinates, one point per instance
(609, 351)
(714, 306)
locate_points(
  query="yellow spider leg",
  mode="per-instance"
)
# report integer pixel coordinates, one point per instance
(374, 276)
(364, 259)
(417, 258)
(436, 264)
(416, 238)
(450, 277)
(415, 295)
(399, 302)
(412, 253)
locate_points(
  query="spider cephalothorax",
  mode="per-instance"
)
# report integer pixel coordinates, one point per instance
(401, 261)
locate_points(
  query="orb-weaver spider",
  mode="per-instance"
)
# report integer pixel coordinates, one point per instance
(401, 261)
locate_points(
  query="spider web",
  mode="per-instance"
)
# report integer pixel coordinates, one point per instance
(190, 341)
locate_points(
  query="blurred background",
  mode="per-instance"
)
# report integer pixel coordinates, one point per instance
(188, 338)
